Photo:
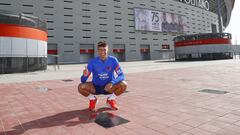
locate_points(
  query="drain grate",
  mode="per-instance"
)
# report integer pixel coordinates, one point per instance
(214, 91)
(108, 120)
(185, 80)
(67, 80)
(43, 89)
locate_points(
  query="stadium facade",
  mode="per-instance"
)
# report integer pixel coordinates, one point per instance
(135, 29)
(23, 43)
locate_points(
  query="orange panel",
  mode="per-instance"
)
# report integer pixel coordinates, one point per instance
(9, 30)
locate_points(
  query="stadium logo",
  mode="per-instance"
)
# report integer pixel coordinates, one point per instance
(204, 4)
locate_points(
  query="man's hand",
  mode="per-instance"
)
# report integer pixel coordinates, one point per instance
(108, 87)
(85, 71)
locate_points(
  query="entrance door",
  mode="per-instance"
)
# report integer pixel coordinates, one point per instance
(119, 51)
(145, 52)
(86, 52)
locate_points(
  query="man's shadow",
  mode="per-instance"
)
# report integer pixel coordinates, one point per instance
(70, 118)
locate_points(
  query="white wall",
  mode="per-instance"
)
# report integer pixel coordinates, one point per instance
(22, 47)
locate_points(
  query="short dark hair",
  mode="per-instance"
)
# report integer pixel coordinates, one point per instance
(102, 44)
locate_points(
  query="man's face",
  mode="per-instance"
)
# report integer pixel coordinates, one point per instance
(103, 52)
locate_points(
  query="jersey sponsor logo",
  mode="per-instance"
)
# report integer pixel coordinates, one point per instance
(103, 76)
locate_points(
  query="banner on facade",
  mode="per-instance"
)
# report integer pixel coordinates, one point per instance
(152, 20)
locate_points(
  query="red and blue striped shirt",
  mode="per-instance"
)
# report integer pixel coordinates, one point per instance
(103, 71)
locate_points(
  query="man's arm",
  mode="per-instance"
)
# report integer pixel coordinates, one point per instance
(120, 74)
(86, 73)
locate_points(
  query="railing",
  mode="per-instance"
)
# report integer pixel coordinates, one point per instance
(202, 36)
(8, 17)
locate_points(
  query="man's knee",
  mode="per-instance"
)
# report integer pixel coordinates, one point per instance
(86, 88)
(82, 88)
(121, 88)
(123, 85)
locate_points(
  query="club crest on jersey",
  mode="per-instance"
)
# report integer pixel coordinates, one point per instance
(108, 68)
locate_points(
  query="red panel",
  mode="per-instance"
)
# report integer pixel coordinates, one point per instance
(8, 30)
(144, 50)
(203, 42)
(86, 50)
(118, 50)
(83, 51)
(52, 52)
(90, 51)
(165, 46)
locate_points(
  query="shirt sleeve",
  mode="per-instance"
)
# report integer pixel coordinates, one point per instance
(120, 75)
(90, 70)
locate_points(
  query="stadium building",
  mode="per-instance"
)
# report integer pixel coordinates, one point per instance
(134, 29)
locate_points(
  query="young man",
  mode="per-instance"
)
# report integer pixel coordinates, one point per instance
(103, 79)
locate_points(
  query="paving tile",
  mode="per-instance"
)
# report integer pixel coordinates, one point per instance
(236, 112)
(98, 130)
(57, 131)
(119, 129)
(36, 132)
(219, 124)
(226, 132)
(132, 125)
(77, 130)
(194, 122)
(233, 128)
(185, 133)
(171, 131)
(210, 128)
(167, 103)
(232, 116)
(129, 133)
(237, 123)
(197, 131)
(145, 131)
(156, 126)
(227, 120)
(182, 127)
(165, 121)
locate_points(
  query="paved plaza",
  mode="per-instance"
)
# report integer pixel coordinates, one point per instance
(163, 98)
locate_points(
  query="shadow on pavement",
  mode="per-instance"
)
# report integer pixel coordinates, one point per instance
(69, 118)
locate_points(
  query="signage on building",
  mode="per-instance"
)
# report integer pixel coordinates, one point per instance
(165, 46)
(153, 20)
(204, 4)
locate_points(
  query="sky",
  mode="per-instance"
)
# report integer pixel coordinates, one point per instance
(234, 25)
